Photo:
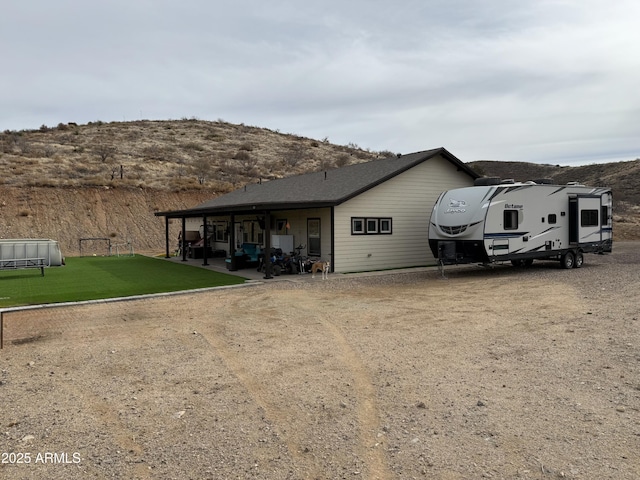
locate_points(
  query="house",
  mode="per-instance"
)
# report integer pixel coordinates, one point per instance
(366, 216)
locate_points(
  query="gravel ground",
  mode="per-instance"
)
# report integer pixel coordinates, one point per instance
(489, 373)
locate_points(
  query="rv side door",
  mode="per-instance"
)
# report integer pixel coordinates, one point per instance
(606, 219)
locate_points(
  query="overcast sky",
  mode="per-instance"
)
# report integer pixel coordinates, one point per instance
(530, 80)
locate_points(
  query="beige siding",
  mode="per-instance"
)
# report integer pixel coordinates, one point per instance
(408, 199)
(298, 227)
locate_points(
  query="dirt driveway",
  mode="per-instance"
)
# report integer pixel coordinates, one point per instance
(501, 373)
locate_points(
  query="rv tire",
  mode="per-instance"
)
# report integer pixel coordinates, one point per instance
(579, 260)
(568, 260)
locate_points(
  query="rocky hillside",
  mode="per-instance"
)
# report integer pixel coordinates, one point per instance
(106, 180)
(164, 155)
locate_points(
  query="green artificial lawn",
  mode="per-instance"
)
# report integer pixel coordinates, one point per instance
(91, 278)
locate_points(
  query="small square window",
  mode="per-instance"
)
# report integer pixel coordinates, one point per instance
(552, 218)
(372, 225)
(357, 226)
(385, 225)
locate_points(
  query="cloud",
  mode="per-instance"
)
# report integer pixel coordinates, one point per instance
(542, 81)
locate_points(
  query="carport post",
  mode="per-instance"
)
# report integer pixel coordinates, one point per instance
(183, 243)
(166, 237)
(267, 245)
(233, 265)
(205, 243)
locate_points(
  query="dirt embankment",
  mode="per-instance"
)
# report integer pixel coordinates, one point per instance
(68, 214)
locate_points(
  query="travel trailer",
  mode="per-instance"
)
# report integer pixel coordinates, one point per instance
(502, 221)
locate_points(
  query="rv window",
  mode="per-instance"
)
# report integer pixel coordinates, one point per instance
(510, 219)
(589, 218)
(551, 218)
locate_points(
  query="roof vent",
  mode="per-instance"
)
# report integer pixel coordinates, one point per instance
(508, 180)
(484, 181)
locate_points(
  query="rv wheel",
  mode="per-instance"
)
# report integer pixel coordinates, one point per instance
(517, 263)
(567, 260)
(579, 260)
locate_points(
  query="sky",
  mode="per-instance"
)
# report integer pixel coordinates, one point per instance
(551, 82)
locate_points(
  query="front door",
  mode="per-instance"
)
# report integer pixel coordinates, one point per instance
(313, 237)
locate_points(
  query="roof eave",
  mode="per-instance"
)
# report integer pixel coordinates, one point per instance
(246, 209)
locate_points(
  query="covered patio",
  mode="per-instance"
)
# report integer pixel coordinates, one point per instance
(250, 273)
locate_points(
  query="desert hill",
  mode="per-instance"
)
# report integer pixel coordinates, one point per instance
(622, 177)
(106, 180)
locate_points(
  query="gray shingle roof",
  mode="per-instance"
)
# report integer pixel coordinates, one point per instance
(316, 189)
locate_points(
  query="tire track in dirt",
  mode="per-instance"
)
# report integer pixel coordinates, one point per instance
(122, 436)
(259, 394)
(368, 413)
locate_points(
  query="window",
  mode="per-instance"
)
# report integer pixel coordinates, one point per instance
(551, 218)
(371, 226)
(589, 218)
(357, 226)
(281, 226)
(313, 237)
(221, 232)
(252, 231)
(510, 219)
(385, 225)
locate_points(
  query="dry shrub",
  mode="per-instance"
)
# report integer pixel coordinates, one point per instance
(45, 182)
(343, 160)
(214, 137)
(242, 156)
(192, 146)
